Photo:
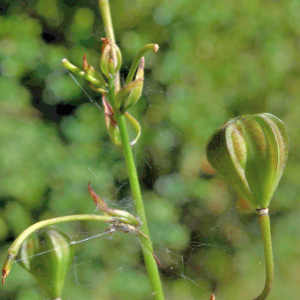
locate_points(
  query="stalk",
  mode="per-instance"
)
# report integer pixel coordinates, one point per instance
(114, 85)
(147, 248)
(150, 261)
(109, 29)
(16, 245)
(264, 222)
(136, 61)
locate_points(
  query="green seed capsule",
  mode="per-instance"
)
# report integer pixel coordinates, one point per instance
(250, 152)
(50, 268)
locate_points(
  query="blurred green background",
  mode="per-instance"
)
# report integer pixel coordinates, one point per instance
(217, 60)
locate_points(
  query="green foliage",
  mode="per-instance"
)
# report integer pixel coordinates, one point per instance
(217, 60)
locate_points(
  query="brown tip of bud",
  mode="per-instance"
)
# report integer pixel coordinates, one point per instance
(7, 266)
(155, 48)
(85, 63)
(98, 201)
(105, 42)
(109, 113)
(4, 274)
(212, 297)
(142, 63)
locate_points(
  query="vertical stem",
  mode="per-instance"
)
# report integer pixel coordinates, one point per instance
(114, 86)
(147, 248)
(106, 16)
(264, 222)
(150, 262)
(109, 29)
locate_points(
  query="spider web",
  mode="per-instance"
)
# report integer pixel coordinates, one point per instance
(187, 261)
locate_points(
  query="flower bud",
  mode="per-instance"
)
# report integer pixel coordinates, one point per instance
(7, 267)
(92, 71)
(136, 92)
(105, 58)
(88, 74)
(250, 152)
(123, 94)
(111, 67)
(48, 256)
(109, 50)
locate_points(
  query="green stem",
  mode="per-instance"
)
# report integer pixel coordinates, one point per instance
(114, 86)
(16, 245)
(136, 61)
(84, 75)
(106, 18)
(139, 208)
(264, 222)
(150, 261)
(107, 22)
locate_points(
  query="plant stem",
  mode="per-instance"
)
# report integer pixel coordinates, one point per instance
(107, 22)
(147, 248)
(82, 74)
(114, 86)
(264, 222)
(136, 61)
(16, 245)
(150, 261)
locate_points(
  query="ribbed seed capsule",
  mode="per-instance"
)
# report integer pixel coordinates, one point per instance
(50, 268)
(250, 152)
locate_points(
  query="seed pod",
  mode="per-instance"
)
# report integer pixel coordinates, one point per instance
(50, 268)
(250, 152)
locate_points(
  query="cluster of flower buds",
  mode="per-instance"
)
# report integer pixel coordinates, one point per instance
(127, 96)
(250, 152)
(48, 256)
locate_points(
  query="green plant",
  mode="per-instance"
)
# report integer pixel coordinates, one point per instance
(251, 152)
(192, 45)
(116, 101)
